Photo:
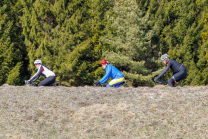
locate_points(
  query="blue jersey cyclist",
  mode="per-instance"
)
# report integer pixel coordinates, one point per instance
(42, 70)
(111, 72)
(179, 70)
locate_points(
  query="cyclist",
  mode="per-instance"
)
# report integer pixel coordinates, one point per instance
(42, 70)
(113, 72)
(179, 70)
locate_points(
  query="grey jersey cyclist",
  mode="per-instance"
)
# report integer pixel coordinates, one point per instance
(179, 70)
(42, 70)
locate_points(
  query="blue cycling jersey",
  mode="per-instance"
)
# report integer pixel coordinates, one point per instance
(111, 72)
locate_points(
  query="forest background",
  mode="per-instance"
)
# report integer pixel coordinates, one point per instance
(71, 37)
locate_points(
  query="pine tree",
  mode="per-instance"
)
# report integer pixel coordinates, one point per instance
(65, 36)
(14, 74)
(81, 63)
(128, 42)
(181, 35)
(11, 44)
(202, 63)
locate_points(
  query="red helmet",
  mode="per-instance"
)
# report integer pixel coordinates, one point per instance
(104, 61)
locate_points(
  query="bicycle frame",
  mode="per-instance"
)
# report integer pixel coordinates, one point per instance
(163, 82)
(33, 84)
(122, 84)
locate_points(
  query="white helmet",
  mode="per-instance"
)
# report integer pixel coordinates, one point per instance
(164, 57)
(37, 62)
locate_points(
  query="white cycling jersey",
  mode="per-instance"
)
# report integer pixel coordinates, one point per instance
(42, 70)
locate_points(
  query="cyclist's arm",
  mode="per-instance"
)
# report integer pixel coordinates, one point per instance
(37, 75)
(106, 76)
(164, 71)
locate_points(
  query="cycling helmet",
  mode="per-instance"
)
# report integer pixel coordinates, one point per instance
(164, 57)
(104, 61)
(37, 62)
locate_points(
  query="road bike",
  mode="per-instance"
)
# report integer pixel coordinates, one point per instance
(160, 81)
(33, 83)
(124, 83)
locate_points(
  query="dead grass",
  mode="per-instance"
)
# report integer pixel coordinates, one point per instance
(89, 112)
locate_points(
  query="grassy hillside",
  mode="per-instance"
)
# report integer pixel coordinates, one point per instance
(96, 112)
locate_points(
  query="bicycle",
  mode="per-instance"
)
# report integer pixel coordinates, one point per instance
(33, 83)
(124, 83)
(160, 81)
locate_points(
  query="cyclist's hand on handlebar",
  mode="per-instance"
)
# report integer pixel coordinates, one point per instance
(97, 83)
(27, 82)
(156, 79)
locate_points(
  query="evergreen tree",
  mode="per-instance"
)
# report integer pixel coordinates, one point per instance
(14, 74)
(128, 42)
(81, 63)
(202, 63)
(65, 36)
(181, 34)
(11, 44)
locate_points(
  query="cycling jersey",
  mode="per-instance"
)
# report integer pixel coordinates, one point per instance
(42, 70)
(174, 66)
(111, 72)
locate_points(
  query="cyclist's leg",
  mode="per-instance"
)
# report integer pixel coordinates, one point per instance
(115, 85)
(116, 82)
(171, 82)
(180, 75)
(177, 77)
(47, 81)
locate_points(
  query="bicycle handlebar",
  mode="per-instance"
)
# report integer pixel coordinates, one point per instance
(31, 83)
(161, 82)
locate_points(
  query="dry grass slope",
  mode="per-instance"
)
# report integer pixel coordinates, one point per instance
(94, 112)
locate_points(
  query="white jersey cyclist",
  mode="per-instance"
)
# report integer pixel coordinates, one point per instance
(42, 70)
(46, 72)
